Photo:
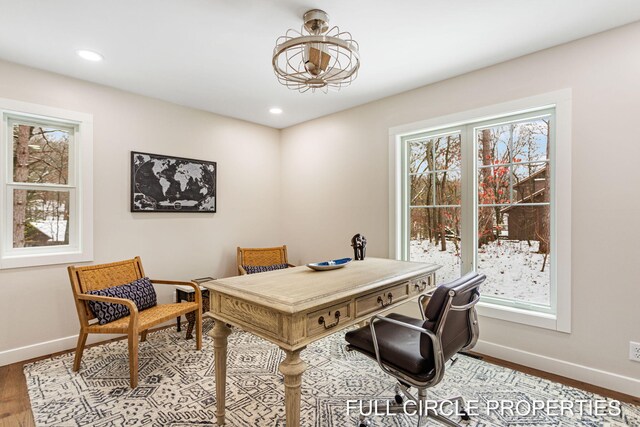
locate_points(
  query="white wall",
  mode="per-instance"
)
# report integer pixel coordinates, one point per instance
(329, 179)
(335, 181)
(36, 304)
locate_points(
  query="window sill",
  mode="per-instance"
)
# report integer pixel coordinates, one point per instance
(34, 260)
(524, 317)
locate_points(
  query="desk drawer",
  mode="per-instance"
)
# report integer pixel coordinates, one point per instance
(372, 302)
(328, 318)
(419, 285)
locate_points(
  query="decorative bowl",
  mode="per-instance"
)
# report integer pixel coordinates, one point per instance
(329, 265)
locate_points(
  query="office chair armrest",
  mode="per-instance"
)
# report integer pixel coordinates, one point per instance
(466, 306)
(422, 297)
(421, 304)
(399, 323)
(435, 341)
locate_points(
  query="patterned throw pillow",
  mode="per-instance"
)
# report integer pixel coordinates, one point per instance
(140, 291)
(251, 269)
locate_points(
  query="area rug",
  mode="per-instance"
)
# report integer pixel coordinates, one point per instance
(177, 388)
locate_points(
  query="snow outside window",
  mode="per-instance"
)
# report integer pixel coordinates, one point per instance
(46, 216)
(481, 195)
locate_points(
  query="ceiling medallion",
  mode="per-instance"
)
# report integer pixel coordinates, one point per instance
(316, 57)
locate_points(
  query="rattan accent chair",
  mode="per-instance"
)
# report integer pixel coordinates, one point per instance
(262, 257)
(96, 277)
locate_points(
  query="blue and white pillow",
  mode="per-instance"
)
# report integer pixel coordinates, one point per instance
(140, 291)
(251, 269)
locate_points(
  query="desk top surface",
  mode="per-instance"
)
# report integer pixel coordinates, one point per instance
(299, 288)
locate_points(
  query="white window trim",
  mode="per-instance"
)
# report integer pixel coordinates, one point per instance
(561, 101)
(81, 157)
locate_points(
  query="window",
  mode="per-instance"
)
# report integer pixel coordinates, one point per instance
(435, 171)
(513, 220)
(46, 194)
(474, 192)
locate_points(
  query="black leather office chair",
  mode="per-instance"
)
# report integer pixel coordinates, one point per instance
(414, 351)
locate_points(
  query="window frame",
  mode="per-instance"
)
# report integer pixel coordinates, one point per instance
(79, 185)
(472, 134)
(558, 317)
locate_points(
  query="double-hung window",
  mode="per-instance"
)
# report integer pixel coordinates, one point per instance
(45, 203)
(482, 194)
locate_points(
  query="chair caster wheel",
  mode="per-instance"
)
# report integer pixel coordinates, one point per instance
(364, 422)
(398, 399)
(465, 416)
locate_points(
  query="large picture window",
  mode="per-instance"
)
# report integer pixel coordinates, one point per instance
(46, 218)
(434, 165)
(481, 195)
(513, 209)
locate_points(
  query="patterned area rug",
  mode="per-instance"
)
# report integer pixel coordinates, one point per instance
(177, 388)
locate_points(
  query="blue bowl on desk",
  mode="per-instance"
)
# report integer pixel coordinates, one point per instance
(329, 265)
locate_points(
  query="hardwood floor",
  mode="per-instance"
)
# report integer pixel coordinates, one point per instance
(564, 380)
(15, 409)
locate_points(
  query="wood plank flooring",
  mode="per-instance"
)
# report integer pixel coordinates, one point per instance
(15, 408)
(612, 394)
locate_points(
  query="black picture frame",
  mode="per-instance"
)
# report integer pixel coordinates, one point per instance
(161, 183)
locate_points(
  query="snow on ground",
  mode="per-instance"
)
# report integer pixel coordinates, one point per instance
(425, 251)
(512, 268)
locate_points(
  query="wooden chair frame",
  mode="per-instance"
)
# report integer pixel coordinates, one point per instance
(261, 256)
(94, 277)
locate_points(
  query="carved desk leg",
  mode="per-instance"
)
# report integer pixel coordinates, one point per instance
(219, 333)
(292, 367)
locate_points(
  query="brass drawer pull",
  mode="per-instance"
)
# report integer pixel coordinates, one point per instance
(389, 297)
(331, 325)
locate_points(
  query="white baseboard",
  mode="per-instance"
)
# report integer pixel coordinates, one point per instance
(609, 380)
(27, 352)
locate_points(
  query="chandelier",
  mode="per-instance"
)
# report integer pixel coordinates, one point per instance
(316, 57)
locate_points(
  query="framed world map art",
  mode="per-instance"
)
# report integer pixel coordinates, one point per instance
(172, 184)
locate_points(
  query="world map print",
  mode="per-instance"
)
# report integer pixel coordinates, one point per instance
(172, 184)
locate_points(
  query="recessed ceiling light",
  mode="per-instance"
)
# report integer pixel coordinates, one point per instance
(89, 55)
(275, 110)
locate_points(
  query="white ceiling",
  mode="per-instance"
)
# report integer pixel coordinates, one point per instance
(215, 55)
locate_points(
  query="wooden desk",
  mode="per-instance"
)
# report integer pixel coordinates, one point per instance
(297, 306)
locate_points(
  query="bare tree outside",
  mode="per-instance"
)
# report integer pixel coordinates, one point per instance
(512, 200)
(21, 137)
(513, 210)
(40, 156)
(435, 181)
